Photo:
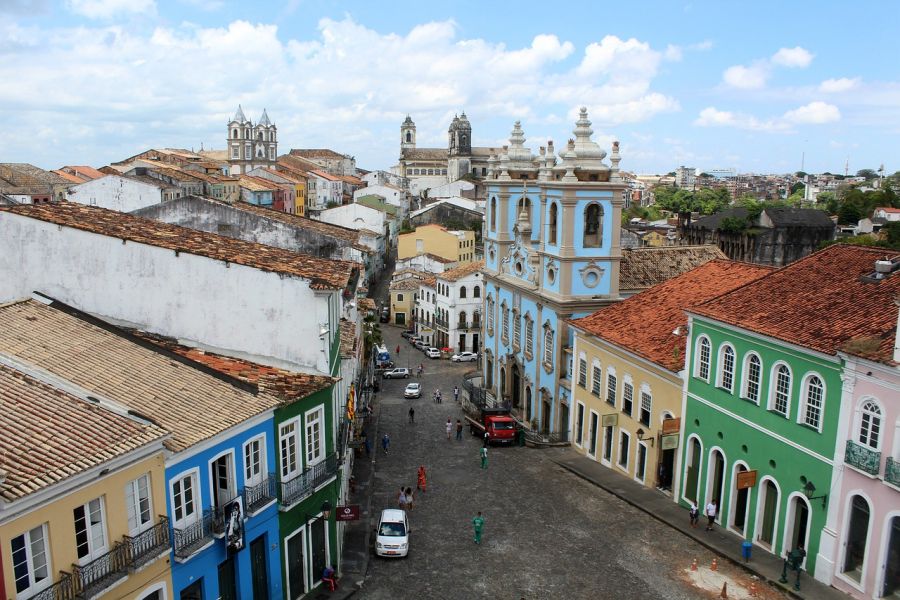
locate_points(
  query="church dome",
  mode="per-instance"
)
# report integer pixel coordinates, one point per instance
(464, 122)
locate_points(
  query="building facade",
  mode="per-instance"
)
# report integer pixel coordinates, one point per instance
(458, 305)
(456, 246)
(251, 146)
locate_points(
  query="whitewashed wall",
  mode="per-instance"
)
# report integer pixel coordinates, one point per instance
(115, 193)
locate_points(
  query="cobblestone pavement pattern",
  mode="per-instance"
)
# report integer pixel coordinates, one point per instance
(548, 534)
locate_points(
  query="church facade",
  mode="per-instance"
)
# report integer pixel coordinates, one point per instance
(251, 146)
(552, 252)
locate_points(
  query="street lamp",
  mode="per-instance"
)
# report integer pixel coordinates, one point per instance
(809, 489)
(641, 438)
(326, 512)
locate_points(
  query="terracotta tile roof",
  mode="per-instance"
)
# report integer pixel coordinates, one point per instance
(643, 324)
(345, 234)
(348, 339)
(48, 435)
(256, 184)
(316, 153)
(820, 302)
(324, 175)
(406, 284)
(366, 304)
(191, 404)
(82, 171)
(462, 271)
(322, 273)
(888, 209)
(641, 268)
(296, 163)
(69, 176)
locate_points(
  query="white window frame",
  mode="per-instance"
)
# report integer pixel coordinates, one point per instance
(641, 477)
(722, 371)
(582, 370)
(284, 439)
(94, 551)
(596, 382)
(490, 315)
(133, 502)
(700, 364)
(34, 585)
(517, 329)
(611, 373)
(628, 393)
(232, 478)
(314, 455)
(879, 434)
(548, 345)
(197, 497)
(745, 378)
(529, 334)
(627, 434)
(646, 398)
(249, 477)
(803, 413)
(773, 389)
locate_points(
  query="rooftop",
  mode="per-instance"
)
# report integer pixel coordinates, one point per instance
(348, 338)
(462, 271)
(643, 324)
(378, 203)
(321, 273)
(317, 153)
(641, 268)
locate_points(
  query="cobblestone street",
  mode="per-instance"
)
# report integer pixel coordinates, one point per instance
(548, 534)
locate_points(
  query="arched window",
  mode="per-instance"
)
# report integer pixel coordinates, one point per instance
(870, 425)
(548, 346)
(752, 374)
(524, 204)
(490, 316)
(408, 136)
(462, 320)
(780, 397)
(462, 292)
(476, 293)
(726, 368)
(813, 401)
(593, 226)
(234, 133)
(493, 213)
(702, 365)
(553, 223)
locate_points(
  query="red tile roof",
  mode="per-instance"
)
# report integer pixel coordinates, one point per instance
(322, 273)
(459, 272)
(643, 324)
(820, 302)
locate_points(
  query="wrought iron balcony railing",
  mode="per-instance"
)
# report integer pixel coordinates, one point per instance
(862, 458)
(191, 538)
(303, 485)
(100, 573)
(892, 471)
(441, 322)
(149, 544)
(64, 589)
(259, 495)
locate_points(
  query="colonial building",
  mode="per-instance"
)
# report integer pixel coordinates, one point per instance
(458, 246)
(251, 146)
(458, 304)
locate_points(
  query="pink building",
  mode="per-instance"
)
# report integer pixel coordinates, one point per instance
(866, 500)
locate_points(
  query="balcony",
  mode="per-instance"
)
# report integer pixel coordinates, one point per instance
(64, 589)
(191, 538)
(260, 495)
(148, 545)
(862, 458)
(302, 486)
(441, 323)
(892, 471)
(101, 573)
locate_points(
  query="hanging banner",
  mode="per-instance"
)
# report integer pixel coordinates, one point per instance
(350, 407)
(610, 420)
(347, 513)
(746, 479)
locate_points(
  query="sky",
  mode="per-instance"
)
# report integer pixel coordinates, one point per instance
(764, 87)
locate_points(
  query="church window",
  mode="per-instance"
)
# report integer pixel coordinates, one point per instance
(431, 171)
(234, 133)
(408, 136)
(553, 222)
(548, 345)
(235, 152)
(474, 171)
(529, 335)
(272, 153)
(524, 204)
(483, 171)
(494, 213)
(476, 293)
(505, 332)
(259, 135)
(593, 226)
(462, 292)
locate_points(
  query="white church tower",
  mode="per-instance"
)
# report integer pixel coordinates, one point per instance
(249, 145)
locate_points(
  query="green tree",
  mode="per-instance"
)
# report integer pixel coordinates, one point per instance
(867, 173)
(798, 187)
(891, 233)
(800, 174)
(849, 214)
(712, 200)
(829, 201)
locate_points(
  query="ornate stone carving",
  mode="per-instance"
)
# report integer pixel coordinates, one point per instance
(591, 274)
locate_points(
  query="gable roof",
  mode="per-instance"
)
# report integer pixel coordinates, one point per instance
(787, 216)
(641, 268)
(317, 153)
(462, 271)
(643, 324)
(48, 435)
(378, 203)
(322, 273)
(823, 302)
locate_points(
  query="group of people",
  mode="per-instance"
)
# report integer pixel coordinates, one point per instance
(449, 428)
(712, 509)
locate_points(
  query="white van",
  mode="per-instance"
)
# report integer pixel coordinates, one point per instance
(392, 534)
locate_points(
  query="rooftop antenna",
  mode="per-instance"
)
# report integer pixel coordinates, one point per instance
(802, 161)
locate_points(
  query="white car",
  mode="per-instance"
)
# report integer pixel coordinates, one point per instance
(396, 374)
(464, 357)
(432, 352)
(392, 534)
(413, 390)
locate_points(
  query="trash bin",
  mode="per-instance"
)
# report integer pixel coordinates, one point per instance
(746, 548)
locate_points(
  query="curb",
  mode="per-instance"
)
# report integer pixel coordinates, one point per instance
(746, 567)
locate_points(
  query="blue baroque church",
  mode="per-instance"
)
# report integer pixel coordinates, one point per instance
(552, 253)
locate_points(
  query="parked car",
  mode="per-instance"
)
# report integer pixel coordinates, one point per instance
(413, 339)
(402, 373)
(432, 352)
(385, 315)
(413, 390)
(420, 344)
(392, 533)
(409, 333)
(464, 357)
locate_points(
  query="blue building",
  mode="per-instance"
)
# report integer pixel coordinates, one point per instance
(552, 253)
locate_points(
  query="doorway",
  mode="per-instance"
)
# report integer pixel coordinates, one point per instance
(891, 586)
(592, 439)
(545, 417)
(857, 539)
(227, 586)
(640, 468)
(564, 420)
(798, 515)
(259, 568)
(319, 542)
(666, 468)
(769, 503)
(692, 474)
(462, 342)
(295, 559)
(607, 444)
(193, 591)
(717, 480)
(475, 341)
(741, 504)
(516, 386)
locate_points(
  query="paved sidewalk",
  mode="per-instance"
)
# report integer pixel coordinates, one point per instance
(763, 564)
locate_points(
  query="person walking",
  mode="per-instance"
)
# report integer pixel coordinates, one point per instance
(368, 444)
(385, 442)
(449, 427)
(409, 499)
(401, 499)
(398, 349)
(694, 514)
(711, 514)
(458, 429)
(412, 415)
(456, 393)
(421, 481)
(486, 439)
(484, 457)
(478, 525)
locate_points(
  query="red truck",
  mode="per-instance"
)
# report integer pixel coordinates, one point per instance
(499, 425)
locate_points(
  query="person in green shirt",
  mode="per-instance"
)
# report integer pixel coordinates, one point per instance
(478, 523)
(484, 458)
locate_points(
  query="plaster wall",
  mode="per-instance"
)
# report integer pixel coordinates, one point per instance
(116, 193)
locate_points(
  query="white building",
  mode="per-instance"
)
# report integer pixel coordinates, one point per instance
(426, 263)
(447, 190)
(426, 297)
(685, 177)
(251, 146)
(322, 189)
(385, 177)
(359, 217)
(391, 194)
(117, 192)
(209, 291)
(459, 297)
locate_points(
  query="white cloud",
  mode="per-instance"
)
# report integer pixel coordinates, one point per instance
(814, 113)
(792, 57)
(835, 86)
(104, 9)
(673, 53)
(702, 46)
(746, 78)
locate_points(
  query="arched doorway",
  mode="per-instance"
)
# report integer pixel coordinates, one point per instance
(768, 514)
(489, 370)
(666, 460)
(797, 530)
(692, 470)
(502, 383)
(529, 409)
(857, 539)
(716, 480)
(740, 503)
(890, 588)
(516, 386)
(545, 415)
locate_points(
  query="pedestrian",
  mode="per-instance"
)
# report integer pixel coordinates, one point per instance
(478, 524)
(420, 484)
(385, 442)
(449, 427)
(484, 458)
(401, 498)
(711, 514)
(456, 393)
(368, 446)
(694, 513)
(486, 439)
(412, 415)
(398, 348)
(458, 429)
(419, 371)
(409, 499)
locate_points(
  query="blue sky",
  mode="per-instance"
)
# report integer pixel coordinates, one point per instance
(753, 86)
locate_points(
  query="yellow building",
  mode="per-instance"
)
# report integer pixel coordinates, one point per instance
(81, 487)
(457, 246)
(403, 292)
(627, 377)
